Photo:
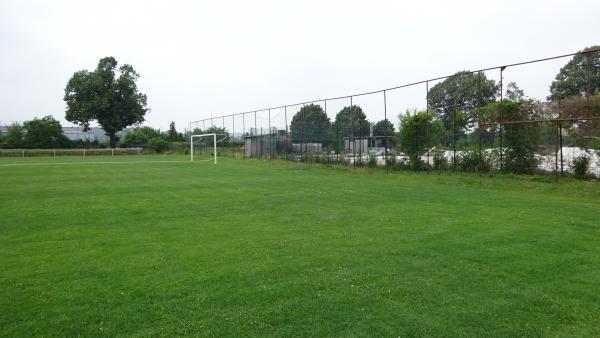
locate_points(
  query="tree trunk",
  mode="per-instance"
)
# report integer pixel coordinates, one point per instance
(113, 140)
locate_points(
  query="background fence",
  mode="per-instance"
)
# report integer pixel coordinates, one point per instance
(500, 118)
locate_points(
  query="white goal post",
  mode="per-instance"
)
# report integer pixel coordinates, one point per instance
(192, 137)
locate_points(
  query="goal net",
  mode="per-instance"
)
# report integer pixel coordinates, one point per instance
(203, 147)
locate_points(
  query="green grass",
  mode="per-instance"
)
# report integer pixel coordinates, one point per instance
(257, 248)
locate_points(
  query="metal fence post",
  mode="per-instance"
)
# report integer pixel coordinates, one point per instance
(385, 152)
(270, 138)
(286, 131)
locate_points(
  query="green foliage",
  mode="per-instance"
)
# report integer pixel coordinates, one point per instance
(173, 135)
(352, 122)
(383, 128)
(102, 96)
(513, 92)
(140, 137)
(418, 133)
(471, 161)
(584, 134)
(44, 133)
(580, 166)
(158, 144)
(454, 100)
(223, 137)
(572, 79)
(440, 162)
(372, 162)
(13, 138)
(519, 140)
(310, 125)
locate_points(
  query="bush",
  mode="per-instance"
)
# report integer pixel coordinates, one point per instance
(416, 163)
(401, 164)
(372, 163)
(158, 144)
(440, 162)
(580, 166)
(470, 161)
(391, 161)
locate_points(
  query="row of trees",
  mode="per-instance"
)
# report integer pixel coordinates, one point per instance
(37, 133)
(47, 133)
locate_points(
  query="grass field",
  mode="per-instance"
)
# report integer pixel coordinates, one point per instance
(251, 248)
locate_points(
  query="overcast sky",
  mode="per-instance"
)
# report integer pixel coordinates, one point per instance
(203, 58)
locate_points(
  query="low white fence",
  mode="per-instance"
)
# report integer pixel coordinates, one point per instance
(69, 152)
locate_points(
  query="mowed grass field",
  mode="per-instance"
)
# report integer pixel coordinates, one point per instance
(256, 248)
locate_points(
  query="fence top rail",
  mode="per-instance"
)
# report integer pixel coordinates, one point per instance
(502, 67)
(557, 120)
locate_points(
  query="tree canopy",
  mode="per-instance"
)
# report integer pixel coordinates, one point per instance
(383, 128)
(44, 133)
(173, 135)
(13, 138)
(572, 79)
(310, 124)
(113, 101)
(513, 92)
(454, 99)
(352, 122)
(418, 133)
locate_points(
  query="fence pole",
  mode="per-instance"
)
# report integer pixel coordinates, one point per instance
(561, 148)
(255, 129)
(501, 126)
(270, 138)
(556, 154)
(233, 136)
(302, 140)
(479, 126)
(427, 124)
(83, 152)
(286, 131)
(244, 134)
(54, 152)
(385, 152)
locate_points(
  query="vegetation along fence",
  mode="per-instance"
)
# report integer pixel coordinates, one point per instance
(69, 152)
(534, 116)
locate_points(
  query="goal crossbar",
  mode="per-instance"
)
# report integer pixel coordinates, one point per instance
(203, 135)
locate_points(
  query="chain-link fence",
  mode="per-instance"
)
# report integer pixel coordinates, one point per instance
(500, 118)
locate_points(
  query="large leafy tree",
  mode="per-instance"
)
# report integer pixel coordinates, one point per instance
(310, 124)
(455, 99)
(572, 79)
(44, 133)
(383, 128)
(109, 98)
(13, 138)
(352, 122)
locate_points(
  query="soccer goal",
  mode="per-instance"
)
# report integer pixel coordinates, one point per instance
(203, 147)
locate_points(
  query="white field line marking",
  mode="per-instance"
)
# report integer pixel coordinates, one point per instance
(95, 162)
